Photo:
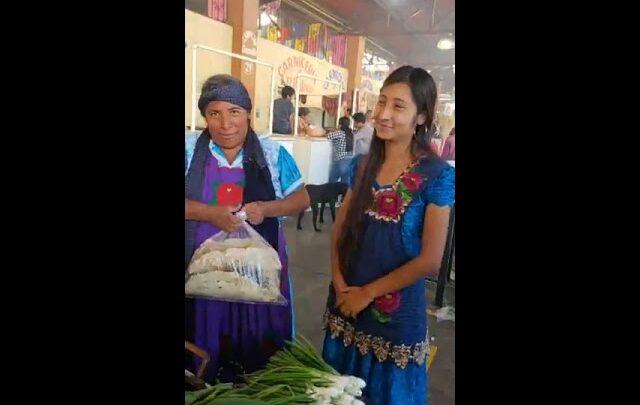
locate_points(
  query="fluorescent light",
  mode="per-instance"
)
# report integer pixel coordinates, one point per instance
(446, 43)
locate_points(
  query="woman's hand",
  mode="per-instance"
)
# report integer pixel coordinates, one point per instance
(255, 212)
(354, 301)
(223, 218)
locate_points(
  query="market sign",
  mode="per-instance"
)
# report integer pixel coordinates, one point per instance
(289, 63)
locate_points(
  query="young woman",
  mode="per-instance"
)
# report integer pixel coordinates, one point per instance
(389, 235)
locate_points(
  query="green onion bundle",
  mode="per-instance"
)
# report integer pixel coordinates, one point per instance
(294, 375)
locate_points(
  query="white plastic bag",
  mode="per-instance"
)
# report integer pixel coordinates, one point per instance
(239, 267)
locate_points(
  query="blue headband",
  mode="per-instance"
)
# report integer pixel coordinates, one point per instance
(234, 93)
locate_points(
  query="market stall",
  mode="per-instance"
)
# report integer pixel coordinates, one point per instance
(312, 155)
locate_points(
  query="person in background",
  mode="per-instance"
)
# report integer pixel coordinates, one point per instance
(434, 147)
(305, 126)
(369, 116)
(363, 135)
(283, 111)
(389, 235)
(348, 115)
(341, 152)
(226, 167)
(436, 128)
(449, 149)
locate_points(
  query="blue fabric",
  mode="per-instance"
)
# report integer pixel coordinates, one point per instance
(385, 247)
(194, 177)
(290, 177)
(285, 175)
(439, 190)
(340, 171)
(282, 111)
(353, 167)
(190, 139)
(387, 384)
(382, 252)
(234, 93)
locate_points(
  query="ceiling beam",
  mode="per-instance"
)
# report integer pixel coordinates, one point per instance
(329, 21)
(396, 17)
(443, 19)
(394, 32)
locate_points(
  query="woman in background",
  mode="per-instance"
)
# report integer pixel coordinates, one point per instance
(341, 152)
(449, 149)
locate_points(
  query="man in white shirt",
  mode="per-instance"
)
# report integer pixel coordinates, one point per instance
(363, 134)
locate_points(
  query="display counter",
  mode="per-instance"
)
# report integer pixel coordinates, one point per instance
(312, 154)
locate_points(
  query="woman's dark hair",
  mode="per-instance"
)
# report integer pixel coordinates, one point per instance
(452, 132)
(302, 111)
(344, 123)
(424, 92)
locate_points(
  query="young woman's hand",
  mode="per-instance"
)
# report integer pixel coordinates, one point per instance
(354, 301)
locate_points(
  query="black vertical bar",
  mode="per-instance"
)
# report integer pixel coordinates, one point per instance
(445, 267)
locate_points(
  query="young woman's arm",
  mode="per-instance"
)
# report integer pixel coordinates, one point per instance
(434, 236)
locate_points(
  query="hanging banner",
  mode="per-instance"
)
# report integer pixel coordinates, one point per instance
(289, 63)
(370, 85)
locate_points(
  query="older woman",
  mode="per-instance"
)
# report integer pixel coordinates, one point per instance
(228, 167)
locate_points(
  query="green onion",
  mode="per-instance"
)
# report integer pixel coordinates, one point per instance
(295, 375)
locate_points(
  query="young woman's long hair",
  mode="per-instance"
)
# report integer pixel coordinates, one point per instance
(348, 134)
(424, 92)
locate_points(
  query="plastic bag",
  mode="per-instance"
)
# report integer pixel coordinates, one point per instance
(446, 313)
(239, 267)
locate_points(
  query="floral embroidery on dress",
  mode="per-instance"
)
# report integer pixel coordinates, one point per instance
(383, 349)
(384, 306)
(227, 194)
(390, 203)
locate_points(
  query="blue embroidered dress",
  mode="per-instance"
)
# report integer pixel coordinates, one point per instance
(387, 344)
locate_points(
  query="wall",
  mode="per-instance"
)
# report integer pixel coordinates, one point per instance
(205, 31)
(368, 95)
(197, 6)
(288, 63)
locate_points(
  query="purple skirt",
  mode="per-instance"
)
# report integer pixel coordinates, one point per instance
(240, 338)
